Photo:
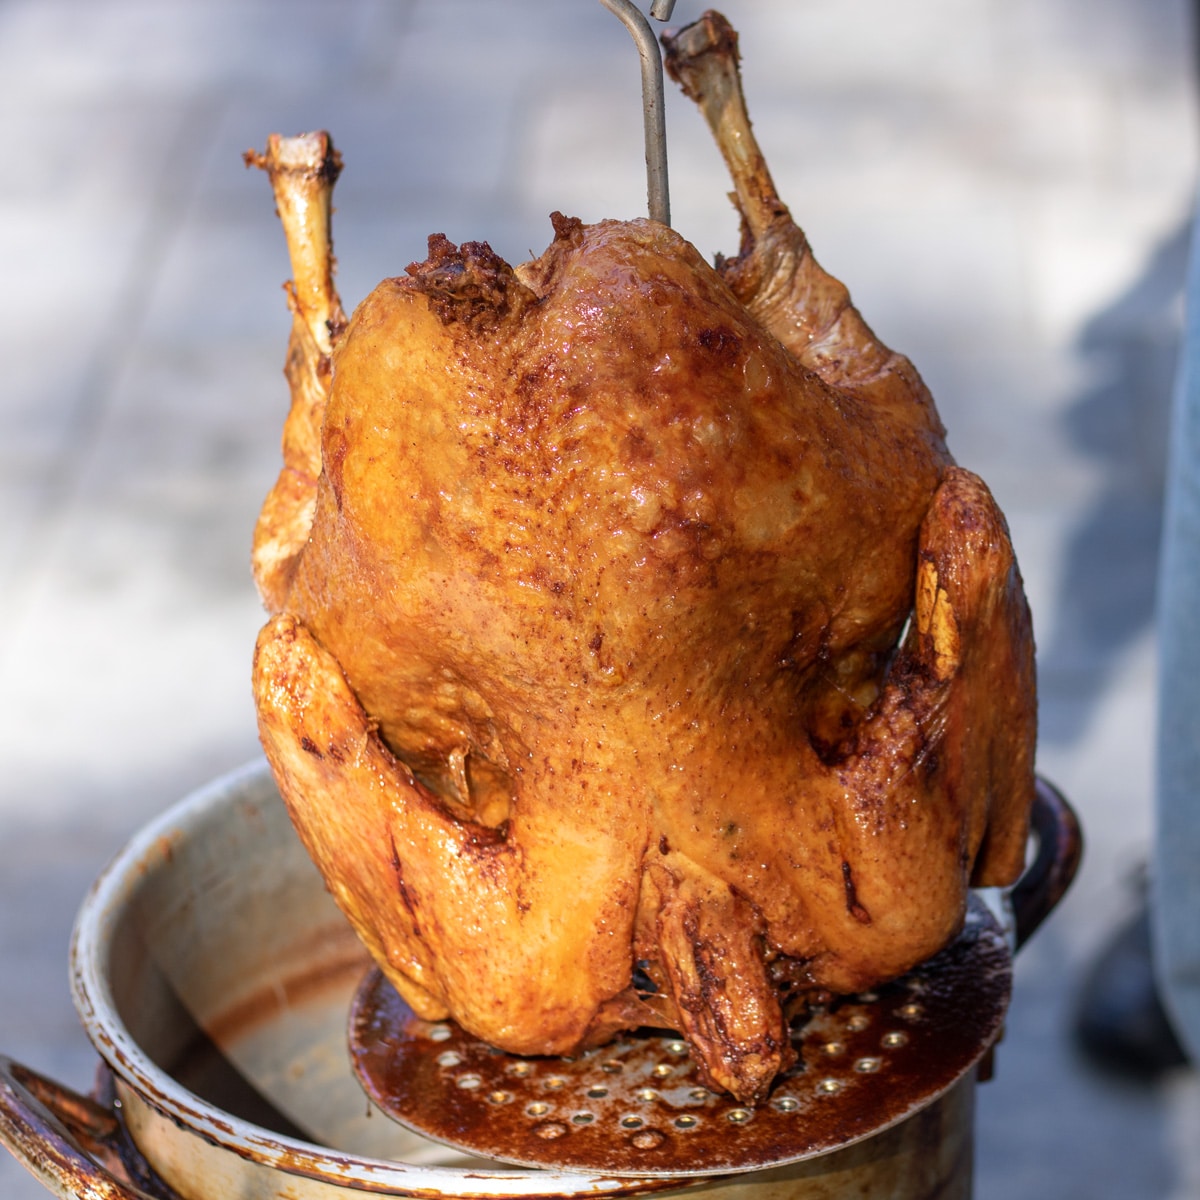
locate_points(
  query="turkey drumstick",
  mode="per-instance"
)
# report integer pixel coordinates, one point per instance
(302, 171)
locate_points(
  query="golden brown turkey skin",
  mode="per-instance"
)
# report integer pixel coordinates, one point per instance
(641, 620)
(617, 580)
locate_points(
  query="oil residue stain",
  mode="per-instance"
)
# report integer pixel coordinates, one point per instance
(636, 1106)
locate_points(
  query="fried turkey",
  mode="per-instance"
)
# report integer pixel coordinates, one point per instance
(638, 654)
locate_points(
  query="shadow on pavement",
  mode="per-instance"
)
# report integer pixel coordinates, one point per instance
(1106, 598)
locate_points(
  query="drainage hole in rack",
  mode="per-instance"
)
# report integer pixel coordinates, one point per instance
(648, 1139)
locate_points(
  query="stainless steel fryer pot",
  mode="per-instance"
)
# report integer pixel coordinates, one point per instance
(213, 974)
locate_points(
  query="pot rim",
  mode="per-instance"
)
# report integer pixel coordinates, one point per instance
(91, 992)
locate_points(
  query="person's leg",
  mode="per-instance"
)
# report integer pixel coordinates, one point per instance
(1176, 871)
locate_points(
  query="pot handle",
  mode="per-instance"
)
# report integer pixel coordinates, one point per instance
(70, 1143)
(1055, 827)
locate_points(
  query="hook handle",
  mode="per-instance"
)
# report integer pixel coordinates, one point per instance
(69, 1142)
(1059, 850)
(654, 119)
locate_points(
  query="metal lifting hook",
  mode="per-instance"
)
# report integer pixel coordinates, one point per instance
(658, 197)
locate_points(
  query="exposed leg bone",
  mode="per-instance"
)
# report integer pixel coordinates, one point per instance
(303, 171)
(775, 274)
(703, 59)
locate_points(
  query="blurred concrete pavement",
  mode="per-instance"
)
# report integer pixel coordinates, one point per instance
(1003, 185)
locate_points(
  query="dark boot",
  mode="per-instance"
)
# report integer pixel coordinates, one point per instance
(1120, 1023)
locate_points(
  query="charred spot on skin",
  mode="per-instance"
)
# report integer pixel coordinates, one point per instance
(468, 284)
(310, 747)
(529, 383)
(853, 907)
(541, 578)
(721, 343)
(664, 847)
